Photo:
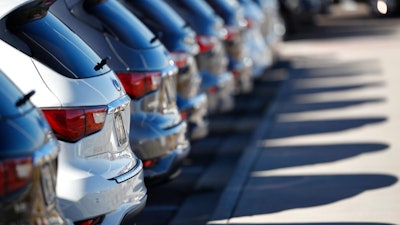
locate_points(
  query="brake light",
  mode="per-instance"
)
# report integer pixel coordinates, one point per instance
(206, 43)
(180, 58)
(184, 115)
(91, 221)
(233, 32)
(149, 163)
(72, 124)
(213, 90)
(138, 84)
(14, 174)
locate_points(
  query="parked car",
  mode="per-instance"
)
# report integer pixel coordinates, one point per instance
(212, 61)
(235, 23)
(99, 179)
(256, 47)
(273, 29)
(28, 161)
(158, 134)
(180, 40)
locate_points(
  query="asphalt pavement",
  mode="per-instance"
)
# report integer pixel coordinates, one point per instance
(327, 150)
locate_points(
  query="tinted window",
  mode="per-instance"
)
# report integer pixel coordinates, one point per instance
(9, 95)
(122, 23)
(159, 12)
(56, 46)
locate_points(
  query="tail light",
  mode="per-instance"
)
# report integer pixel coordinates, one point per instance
(149, 163)
(14, 174)
(213, 90)
(184, 115)
(138, 84)
(235, 73)
(91, 221)
(233, 32)
(206, 43)
(180, 58)
(72, 124)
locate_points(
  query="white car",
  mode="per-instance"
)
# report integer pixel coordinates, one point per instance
(100, 180)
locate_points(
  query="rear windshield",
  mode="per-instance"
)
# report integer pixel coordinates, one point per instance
(195, 7)
(9, 96)
(122, 23)
(55, 45)
(158, 12)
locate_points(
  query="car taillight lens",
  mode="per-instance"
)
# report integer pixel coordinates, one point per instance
(92, 221)
(14, 174)
(180, 58)
(206, 43)
(233, 32)
(72, 124)
(138, 84)
(149, 163)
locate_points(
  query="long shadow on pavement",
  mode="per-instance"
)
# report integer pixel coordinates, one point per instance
(272, 194)
(291, 156)
(297, 128)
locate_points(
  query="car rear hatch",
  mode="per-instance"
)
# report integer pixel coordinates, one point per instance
(93, 100)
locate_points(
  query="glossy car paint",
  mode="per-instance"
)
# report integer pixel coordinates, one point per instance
(96, 175)
(29, 148)
(157, 131)
(239, 62)
(217, 81)
(256, 47)
(180, 40)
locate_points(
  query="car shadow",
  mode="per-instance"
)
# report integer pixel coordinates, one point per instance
(291, 156)
(298, 128)
(271, 194)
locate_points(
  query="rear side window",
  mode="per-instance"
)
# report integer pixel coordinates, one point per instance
(122, 23)
(54, 44)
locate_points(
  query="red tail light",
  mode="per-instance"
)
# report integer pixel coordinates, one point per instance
(233, 32)
(138, 84)
(72, 124)
(213, 90)
(180, 58)
(149, 163)
(206, 43)
(14, 174)
(92, 221)
(184, 115)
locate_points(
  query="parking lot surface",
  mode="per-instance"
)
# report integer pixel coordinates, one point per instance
(316, 142)
(327, 149)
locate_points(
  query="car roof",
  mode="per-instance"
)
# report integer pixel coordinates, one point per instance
(7, 6)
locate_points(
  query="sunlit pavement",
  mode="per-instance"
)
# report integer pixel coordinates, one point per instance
(328, 150)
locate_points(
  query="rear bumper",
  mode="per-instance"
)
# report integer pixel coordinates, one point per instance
(242, 70)
(220, 89)
(165, 146)
(167, 167)
(196, 110)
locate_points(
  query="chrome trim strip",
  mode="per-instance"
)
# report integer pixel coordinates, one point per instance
(131, 173)
(119, 105)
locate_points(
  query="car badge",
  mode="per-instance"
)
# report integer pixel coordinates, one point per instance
(116, 84)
